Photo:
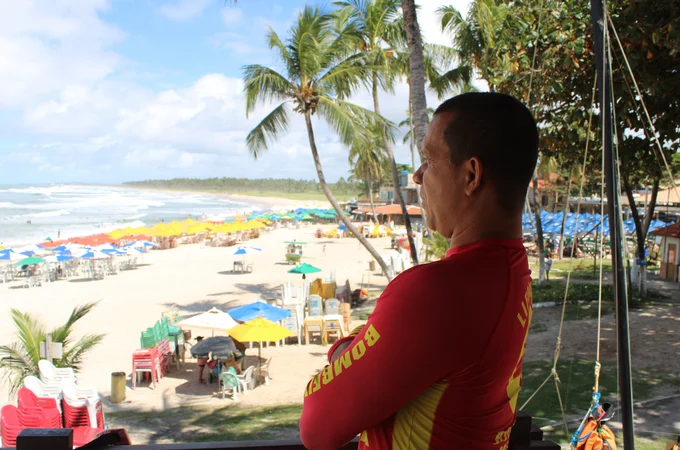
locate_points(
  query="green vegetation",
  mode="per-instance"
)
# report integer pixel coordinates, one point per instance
(576, 387)
(263, 187)
(553, 291)
(20, 358)
(204, 424)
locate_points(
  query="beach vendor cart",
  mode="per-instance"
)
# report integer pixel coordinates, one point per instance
(293, 251)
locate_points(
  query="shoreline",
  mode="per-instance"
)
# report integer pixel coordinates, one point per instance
(266, 201)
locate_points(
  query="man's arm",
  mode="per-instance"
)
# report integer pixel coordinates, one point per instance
(390, 362)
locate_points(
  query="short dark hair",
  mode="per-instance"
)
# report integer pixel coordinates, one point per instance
(500, 131)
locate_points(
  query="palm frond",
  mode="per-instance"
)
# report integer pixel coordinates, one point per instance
(63, 333)
(345, 77)
(264, 84)
(16, 365)
(456, 80)
(73, 357)
(273, 125)
(29, 331)
(275, 42)
(350, 121)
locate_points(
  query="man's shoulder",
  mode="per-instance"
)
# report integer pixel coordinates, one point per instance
(431, 272)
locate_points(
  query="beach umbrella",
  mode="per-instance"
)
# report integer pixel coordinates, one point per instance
(219, 346)
(304, 269)
(247, 250)
(140, 244)
(58, 258)
(132, 251)
(31, 260)
(258, 309)
(11, 255)
(259, 330)
(212, 320)
(92, 254)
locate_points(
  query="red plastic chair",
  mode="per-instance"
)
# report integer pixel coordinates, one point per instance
(32, 408)
(9, 425)
(146, 360)
(83, 435)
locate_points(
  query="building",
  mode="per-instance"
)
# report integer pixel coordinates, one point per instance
(669, 247)
(408, 189)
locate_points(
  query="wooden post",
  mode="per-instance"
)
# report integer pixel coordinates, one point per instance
(48, 347)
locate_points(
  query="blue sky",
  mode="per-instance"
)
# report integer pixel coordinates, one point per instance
(105, 91)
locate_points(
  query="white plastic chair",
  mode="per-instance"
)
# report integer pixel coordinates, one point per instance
(52, 375)
(246, 379)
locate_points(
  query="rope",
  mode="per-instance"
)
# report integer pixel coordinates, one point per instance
(644, 106)
(556, 355)
(533, 59)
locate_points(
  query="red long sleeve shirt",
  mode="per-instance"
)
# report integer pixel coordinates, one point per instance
(438, 364)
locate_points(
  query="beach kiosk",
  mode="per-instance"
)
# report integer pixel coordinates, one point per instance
(293, 251)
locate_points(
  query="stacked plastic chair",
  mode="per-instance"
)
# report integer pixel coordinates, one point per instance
(156, 350)
(145, 360)
(46, 394)
(9, 423)
(35, 413)
(53, 376)
(82, 407)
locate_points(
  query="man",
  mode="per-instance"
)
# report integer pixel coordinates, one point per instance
(439, 363)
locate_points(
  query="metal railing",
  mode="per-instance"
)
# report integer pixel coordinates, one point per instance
(524, 436)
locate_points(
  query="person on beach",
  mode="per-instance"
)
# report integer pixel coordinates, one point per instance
(465, 317)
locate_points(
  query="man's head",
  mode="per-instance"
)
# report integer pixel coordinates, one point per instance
(480, 153)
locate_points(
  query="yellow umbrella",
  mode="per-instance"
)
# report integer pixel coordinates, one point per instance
(259, 330)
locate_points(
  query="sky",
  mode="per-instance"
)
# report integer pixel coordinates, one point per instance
(107, 91)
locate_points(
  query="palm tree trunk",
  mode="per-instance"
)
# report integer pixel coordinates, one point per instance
(565, 210)
(539, 231)
(395, 177)
(370, 194)
(412, 144)
(324, 187)
(417, 72)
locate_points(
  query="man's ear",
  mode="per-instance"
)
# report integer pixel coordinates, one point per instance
(473, 175)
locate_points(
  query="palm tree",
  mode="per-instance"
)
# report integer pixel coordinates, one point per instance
(410, 134)
(20, 358)
(367, 159)
(418, 101)
(321, 68)
(376, 24)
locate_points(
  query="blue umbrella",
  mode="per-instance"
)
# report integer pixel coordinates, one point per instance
(10, 255)
(246, 250)
(259, 309)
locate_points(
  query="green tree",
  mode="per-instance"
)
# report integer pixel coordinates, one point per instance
(321, 68)
(20, 358)
(376, 25)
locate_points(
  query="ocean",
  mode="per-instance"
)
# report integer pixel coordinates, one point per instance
(31, 214)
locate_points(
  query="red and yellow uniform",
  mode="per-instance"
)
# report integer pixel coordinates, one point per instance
(438, 364)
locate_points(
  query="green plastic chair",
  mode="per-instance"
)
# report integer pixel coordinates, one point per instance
(230, 381)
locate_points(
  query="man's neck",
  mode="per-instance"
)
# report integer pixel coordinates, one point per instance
(474, 232)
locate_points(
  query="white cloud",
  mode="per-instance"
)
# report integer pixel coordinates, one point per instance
(47, 45)
(184, 9)
(231, 15)
(59, 73)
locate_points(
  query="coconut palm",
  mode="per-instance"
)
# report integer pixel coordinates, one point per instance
(20, 358)
(418, 101)
(377, 25)
(367, 160)
(320, 69)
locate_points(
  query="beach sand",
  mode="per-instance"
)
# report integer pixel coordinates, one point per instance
(195, 278)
